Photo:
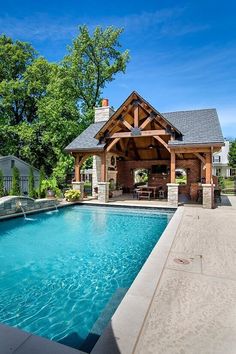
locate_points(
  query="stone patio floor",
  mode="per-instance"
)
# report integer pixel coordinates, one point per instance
(193, 310)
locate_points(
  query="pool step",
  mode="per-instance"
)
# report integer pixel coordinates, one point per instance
(103, 320)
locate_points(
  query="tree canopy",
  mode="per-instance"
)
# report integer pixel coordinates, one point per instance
(43, 105)
(232, 154)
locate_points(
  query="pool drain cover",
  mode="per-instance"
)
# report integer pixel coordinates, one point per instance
(181, 261)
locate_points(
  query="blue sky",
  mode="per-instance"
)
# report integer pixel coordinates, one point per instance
(183, 53)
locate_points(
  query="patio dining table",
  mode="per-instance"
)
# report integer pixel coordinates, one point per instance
(149, 189)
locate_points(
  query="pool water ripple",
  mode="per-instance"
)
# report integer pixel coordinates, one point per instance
(59, 272)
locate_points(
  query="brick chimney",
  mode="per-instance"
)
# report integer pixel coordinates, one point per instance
(104, 112)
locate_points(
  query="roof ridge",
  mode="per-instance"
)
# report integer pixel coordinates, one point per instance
(191, 110)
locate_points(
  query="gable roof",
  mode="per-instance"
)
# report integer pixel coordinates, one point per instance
(200, 126)
(133, 96)
(197, 126)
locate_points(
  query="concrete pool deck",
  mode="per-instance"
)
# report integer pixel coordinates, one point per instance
(193, 305)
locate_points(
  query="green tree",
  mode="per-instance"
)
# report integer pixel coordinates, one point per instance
(42, 176)
(92, 62)
(232, 154)
(15, 190)
(43, 106)
(1, 184)
(31, 183)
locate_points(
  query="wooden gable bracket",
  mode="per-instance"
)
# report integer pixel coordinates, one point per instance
(162, 142)
(110, 146)
(200, 157)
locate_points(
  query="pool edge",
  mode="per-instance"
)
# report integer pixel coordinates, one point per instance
(122, 332)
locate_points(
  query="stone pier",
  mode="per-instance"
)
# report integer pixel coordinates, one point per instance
(103, 192)
(79, 186)
(173, 190)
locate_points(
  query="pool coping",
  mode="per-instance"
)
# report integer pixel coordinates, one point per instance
(68, 204)
(123, 331)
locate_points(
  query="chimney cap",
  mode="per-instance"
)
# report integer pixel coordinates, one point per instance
(105, 102)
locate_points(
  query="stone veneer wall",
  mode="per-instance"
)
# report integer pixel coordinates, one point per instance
(9, 205)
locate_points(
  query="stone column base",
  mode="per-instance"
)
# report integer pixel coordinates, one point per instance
(173, 191)
(103, 191)
(79, 186)
(208, 196)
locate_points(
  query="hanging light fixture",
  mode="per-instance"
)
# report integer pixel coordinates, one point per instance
(151, 146)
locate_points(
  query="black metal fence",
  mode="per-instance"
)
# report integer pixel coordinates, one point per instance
(24, 184)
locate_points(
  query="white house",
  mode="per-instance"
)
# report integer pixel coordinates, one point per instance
(221, 162)
(6, 165)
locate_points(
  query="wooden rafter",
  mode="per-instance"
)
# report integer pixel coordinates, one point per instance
(162, 142)
(181, 156)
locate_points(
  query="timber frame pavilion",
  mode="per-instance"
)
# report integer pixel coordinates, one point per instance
(136, 135)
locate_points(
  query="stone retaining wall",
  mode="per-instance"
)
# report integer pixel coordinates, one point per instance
(11, 204)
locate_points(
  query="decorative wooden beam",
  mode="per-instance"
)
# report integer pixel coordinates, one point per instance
(180, 155)
(136, 111)
(126, 124)
(162, 142)
(200, 157)
(110, 146)
(146, 122)
(139, 133)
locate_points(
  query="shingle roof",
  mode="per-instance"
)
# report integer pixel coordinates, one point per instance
(197, 127)
(86, 140)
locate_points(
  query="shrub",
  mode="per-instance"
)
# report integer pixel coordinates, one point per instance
(221, 182)
(1, 185)
(50, 184)
(72, 195)
(31, 183)
(41, 178)
(15, 189)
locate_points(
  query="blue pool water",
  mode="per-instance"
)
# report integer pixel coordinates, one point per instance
(63, 274)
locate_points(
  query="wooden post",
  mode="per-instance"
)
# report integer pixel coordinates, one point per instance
(172, 167)
(103, 168)
(77, 168)
(208, 168)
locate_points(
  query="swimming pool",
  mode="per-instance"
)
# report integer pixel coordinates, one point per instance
(64, 273)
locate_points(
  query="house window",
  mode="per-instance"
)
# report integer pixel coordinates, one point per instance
(12, 163)
(216, 158)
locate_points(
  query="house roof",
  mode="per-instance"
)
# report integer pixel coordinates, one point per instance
(196, 126)
(12, 157)
(86, 141)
